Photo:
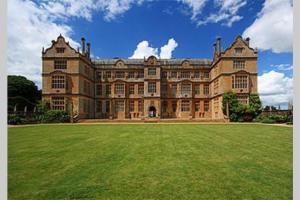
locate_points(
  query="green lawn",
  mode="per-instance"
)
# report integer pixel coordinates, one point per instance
(150, 161)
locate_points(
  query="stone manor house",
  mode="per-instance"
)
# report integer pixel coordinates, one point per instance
(146, 88)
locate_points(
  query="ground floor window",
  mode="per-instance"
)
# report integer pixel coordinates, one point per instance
(243, 99)
(107, 106)
(58, 103)
(120, 106)
(99, 106)
(197, 106)
(141, 106)
(131, 106)
(174, 106)
(164, 106)
(206, 106)
(185, 106)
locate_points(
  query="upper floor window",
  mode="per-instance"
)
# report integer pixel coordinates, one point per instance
(131, 89)
(152, 87)
(86, 70)
(206, 75)
(238, 51)
(86, 87)
(174, 89)
(108, 89)
(58, 81)
(152, 71)
(239, 82)
(173, 74)
(206, 90)
(58, 103)
(60, 50)
(238, 64)
(120, 88)
(164, 74)
(197, 74)
(141, 89)
(98, 75)
(216, 86)
(99, 89)
(60, 64)
(185, 75)
(164, 89)
(141, 74)
(120, 74)
(107, 74)
(185, 88)
(131, 75)
(197, 89)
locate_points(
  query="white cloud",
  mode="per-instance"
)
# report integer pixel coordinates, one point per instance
(33, 25)
(275, 88)
(227, 11)
(283, 67)
(273, 28)
(195, 5)
(84, 9)
(143, 49)
(29, 29)
(166, 50)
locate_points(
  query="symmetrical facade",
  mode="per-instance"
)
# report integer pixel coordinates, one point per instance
(146, 88)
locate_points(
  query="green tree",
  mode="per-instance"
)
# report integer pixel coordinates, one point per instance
(231, 99)
(22, 92)
(239, 111)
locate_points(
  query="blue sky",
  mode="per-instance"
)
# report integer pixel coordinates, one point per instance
(186, 28)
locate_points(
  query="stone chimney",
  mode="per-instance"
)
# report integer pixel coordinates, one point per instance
(218, 45)
(88, 49)
(247, 41)
(215, 48)
(83, 45)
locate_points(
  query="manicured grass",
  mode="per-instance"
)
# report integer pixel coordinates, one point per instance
(150, 161)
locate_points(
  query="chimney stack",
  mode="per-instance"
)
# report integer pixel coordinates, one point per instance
(247, 41)
(215, 48)
(88, 49)
(218, 45)
(83, 45)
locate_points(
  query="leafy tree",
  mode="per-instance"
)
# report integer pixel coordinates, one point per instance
(22, 92)
(239, 111)
(231, 99)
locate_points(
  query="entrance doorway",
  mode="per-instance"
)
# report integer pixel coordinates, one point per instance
(152, 111)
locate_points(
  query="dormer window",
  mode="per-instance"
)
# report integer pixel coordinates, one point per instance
(60, 50)
(238, 51)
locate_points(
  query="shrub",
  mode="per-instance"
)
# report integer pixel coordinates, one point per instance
(241, 112)
(55, 116)
(15, 119)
